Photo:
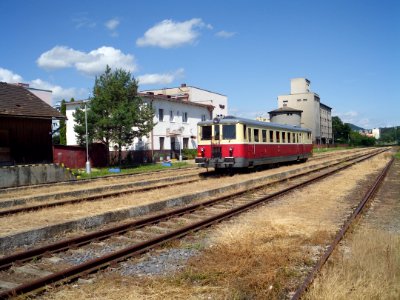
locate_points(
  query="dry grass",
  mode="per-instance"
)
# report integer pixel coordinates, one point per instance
(368, 268)
(258, 255)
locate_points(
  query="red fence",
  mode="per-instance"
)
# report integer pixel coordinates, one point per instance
(74, 157)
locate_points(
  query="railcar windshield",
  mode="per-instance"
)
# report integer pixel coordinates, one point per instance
(206, 132)
(229, 132)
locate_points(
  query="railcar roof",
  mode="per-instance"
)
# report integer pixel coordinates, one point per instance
(233, 119)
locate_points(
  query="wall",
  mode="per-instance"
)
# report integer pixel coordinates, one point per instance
(28, 140)
(14, 176)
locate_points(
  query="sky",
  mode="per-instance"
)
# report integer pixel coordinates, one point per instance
(246, 50)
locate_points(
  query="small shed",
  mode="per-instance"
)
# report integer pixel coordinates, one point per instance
(25, 126)
(286, 115)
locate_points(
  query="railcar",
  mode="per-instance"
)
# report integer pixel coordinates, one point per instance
(232, 142)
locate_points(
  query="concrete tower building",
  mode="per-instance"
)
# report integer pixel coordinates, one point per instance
(315, 115)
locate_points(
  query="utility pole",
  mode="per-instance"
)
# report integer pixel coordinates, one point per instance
(88, 170)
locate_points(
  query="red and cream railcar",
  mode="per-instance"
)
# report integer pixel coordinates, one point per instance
(232, 142)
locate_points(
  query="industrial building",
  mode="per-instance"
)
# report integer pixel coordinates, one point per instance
(315, 115)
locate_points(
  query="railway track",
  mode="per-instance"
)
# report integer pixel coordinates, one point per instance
(341, 233)
(48, 200)
(139, 236)
(94, 194)
(49, 188)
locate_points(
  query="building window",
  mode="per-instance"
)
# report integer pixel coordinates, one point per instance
(298, 100)
(162, 143)
(185, 143)
(171, 116)
(203, 117)
(161, 114)
(184, 117)
(304, 99)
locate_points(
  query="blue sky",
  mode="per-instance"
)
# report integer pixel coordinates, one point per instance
(247, 50)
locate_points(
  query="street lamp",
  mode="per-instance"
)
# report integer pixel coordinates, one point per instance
(88, 170)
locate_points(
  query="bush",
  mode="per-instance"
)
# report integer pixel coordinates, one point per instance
(189, 153)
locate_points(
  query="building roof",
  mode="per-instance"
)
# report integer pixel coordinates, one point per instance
(176, 99)
(183, 86)
(17, 101)
(285, 109)
(152, 96)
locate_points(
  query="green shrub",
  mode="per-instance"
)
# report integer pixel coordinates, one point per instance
(190, 153)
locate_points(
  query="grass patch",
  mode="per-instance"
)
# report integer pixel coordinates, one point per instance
(99, 172)
(367, 268)
(397, 155)
(323, 150)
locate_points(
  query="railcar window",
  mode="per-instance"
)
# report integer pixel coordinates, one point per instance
(244, 132)
(229, 132)
(288, 137)
(271, 136)
(216, 132)
(256, 135)
(249, 134)
(277, 137)
(283, 137)
(264, 136)
(206, 132)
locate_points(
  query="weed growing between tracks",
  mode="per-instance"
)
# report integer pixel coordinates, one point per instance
(367, 268)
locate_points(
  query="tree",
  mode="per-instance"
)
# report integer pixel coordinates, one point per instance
(63, 127)
(115, 113)
(341, 131)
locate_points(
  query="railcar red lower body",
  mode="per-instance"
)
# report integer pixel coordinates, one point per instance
(248, 155)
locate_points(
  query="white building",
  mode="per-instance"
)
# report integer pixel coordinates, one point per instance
(376, 132)
(176, 121)
(315, 116)
(198, 95)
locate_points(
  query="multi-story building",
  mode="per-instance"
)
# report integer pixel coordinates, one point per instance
(315, 116)
(197, 95)
(176, 121)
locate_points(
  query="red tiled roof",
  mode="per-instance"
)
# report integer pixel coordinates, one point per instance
(18, 101)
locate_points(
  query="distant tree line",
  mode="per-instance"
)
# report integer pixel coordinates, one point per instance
(343, 134)
(390, 135)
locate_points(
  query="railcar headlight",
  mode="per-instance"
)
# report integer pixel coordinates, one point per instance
(230, 151)
(202, 151)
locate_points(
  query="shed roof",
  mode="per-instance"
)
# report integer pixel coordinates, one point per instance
(17, 101)
(285, 109)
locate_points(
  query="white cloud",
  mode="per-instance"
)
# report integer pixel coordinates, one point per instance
(225, 34)
(59, 92)
(91, 63)
(9, 76)
(82, 21)
(112, 24)
(168, 34)
(165, 78)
